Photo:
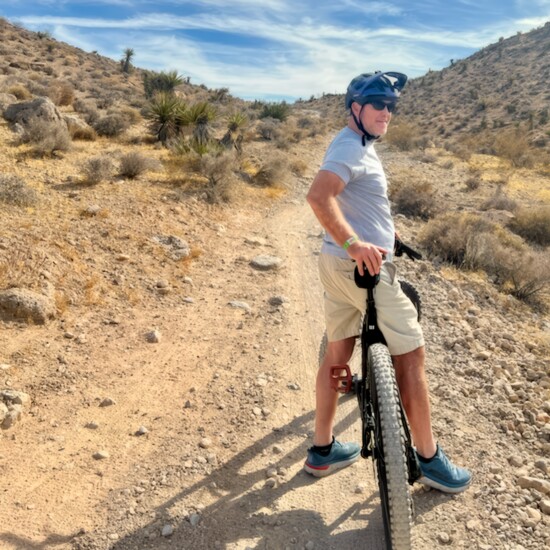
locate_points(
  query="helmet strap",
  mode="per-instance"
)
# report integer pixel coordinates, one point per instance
(366, 135)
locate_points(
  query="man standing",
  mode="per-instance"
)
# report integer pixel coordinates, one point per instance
(349, 197)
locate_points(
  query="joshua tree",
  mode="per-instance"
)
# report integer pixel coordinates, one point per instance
(235, 122)
(167, 115)
(161, 82)
(200, 115)
(126, 61)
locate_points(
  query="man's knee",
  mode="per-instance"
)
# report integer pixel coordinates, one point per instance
(338, 352)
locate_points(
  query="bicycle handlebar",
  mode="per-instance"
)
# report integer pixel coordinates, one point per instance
(401, 248)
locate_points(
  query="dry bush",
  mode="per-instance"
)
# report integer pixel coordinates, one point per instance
(46, 137)
(533, 224)
(298, 167)
(132, 115)
(471, 242)
(111, 125)
(82, 133)
(499, 201)
(61, 93)
(514, 146)
(15, 191)
(97, 169)
(134, 164)
(273, 172)
(220, 169)
(270, 129)
(19, 91)
(473, 182)
(415, 200)
(402, 136)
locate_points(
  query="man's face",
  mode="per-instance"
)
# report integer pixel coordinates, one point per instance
(374, 121)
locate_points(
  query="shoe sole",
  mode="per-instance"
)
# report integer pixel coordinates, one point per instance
(322, 471)
(443, 488)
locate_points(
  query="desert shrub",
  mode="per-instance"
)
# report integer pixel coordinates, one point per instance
(160, 82)
(416, 200)
(533, 224)
(474, 181)
(134, 164)
(279, 111)
(19, 91)
(97, 169)
(270, 129)
(514, 146)
(82, 133)
(499, 201)
(111, 125)
(402, 136)
(84, 105)
(15, 191)
(61, 93)
(273, 172)
(132, 115)
(298, 167)
(46, 137)
(219, 169)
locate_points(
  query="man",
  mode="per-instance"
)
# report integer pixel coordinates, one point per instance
(349, 197)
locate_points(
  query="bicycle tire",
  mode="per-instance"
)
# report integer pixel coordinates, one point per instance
(413, 295)
(390, 454)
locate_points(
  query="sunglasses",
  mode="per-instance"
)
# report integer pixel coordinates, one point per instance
(379, 105)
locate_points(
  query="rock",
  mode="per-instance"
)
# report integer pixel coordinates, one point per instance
(293, 386)
(278, 301)
(205, 443)
(101, 455)
(122, 257)
(266, 263)
(473, 525)
(310, 545)
(77, 127)
(15, 397)
(92, 425)
(540, 485)
(277, 450)
(256, 411)
(107, 402)
(189, 300)
(483, 355)
(271, 472)
(3, 412)
(255, 241)
(542, 465)
(545, 507)
(240, 305)
(4, 367)
(444, 538)
(26, 305)
(361, 488)
(271, 482)
(515, 461)
(194, 519)
(153, 337)
(5, 101)
(534, 514)
(14, 414)
(41, 108)
(142, 430)
(167, 531)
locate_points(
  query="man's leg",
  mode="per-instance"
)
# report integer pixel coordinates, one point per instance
(437, 470)
(328, 454)
(411, 379)
(326, 399)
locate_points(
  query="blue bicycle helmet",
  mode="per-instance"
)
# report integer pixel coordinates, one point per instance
(370, 86)
(367, 85)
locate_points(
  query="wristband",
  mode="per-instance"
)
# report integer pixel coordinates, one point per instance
(350, 241)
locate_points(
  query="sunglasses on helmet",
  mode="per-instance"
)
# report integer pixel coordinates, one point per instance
(379, 104)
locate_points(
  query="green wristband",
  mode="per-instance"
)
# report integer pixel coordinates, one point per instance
(350, 241)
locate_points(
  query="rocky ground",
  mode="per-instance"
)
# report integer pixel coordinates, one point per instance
(174, 408)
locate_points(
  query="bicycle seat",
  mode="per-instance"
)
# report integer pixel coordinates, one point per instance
(367, 280)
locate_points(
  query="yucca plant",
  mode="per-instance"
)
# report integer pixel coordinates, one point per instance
(161, 82)
(235, 122)
(126, 61)
(200, 115)
(167, 113)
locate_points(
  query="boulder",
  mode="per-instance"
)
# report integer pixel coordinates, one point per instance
(76, 125)
(26, 305)
(6, 100)
(41, 108)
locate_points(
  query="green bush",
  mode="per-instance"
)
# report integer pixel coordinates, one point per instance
(279, 111)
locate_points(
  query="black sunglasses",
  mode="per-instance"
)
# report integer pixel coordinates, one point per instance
(379, 104)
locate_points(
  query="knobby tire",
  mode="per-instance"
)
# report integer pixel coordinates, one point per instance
(390, 456)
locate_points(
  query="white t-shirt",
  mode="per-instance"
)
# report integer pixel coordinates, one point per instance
(364, 200)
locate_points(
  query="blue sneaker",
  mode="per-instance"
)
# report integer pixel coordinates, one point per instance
(440, 473)
(340, 456)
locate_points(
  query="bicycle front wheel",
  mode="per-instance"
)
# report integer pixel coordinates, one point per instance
(390, 450)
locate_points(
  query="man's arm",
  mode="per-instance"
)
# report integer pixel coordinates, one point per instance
(322, 198)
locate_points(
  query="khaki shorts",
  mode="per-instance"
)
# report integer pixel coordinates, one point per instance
(345, 304)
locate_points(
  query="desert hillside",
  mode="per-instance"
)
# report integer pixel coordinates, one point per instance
(160, 310)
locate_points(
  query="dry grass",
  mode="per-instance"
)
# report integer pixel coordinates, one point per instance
(533, 224)
(273, 171)
(415, 200)
(15, 191)
(97, 169)
(402, 136)
(499, 201)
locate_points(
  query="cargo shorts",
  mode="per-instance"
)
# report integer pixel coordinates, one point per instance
(345, 304)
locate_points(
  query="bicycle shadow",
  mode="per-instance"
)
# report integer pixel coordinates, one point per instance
(245, 511)
(21, 543)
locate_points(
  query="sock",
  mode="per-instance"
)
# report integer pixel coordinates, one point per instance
(426, 460)
(324, 450)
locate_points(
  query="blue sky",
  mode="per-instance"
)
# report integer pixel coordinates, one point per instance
(273, 49)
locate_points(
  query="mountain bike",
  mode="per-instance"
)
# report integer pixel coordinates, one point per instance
(385, 430)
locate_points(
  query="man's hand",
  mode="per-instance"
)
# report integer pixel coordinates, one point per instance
(367, 254)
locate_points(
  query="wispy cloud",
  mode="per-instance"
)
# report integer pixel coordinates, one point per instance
(283, 47)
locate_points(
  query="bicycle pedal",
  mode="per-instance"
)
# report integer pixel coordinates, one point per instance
(341, 379)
